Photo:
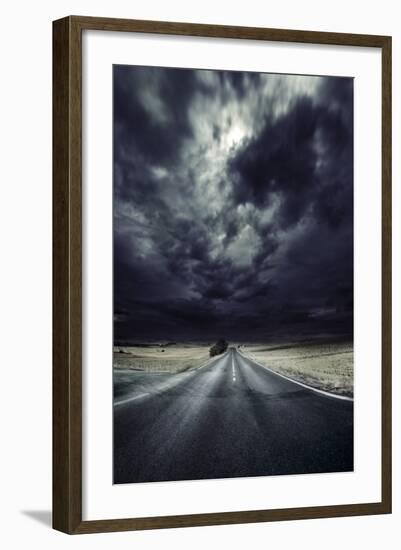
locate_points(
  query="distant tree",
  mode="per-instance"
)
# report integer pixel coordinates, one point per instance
(218, 348)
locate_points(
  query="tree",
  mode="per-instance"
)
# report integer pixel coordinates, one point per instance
(218, 348)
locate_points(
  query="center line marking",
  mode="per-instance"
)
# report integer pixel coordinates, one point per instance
(233, 369)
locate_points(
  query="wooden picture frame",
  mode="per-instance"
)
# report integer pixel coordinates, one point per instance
(67, 274)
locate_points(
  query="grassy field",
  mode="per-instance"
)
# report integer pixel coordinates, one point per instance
(158, 358)
(326, 366)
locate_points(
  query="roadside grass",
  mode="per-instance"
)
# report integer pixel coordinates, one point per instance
(158, 359)
(328, 367)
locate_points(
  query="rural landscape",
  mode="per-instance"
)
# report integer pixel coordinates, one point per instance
(326, 366)
(228, 415)
(233, 283)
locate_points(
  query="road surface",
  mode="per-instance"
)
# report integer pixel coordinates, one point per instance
(231, 418)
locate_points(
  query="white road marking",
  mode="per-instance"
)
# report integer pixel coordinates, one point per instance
(179, 377)
(233, 369)
(140, 396)
(328, 394)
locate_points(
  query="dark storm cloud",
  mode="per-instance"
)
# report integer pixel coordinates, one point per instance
(233, 204)
(150, 104)
(285, 159)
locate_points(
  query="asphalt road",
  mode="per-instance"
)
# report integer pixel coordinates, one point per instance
(232, 418)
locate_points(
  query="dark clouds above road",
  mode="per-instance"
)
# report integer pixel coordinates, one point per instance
(233, 205)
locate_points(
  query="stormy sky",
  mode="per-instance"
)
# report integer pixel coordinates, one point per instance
(233, 205)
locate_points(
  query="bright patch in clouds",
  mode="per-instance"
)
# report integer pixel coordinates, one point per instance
(244, 247)
(233, 203)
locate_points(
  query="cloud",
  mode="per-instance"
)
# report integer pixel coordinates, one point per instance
(233, 204)
(244, 247)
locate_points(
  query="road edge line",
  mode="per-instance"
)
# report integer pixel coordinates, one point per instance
(129, 399)
(323, 392)
(147, 394)
(208, 362)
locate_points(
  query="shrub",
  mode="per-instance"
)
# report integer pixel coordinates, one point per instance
(218, 348)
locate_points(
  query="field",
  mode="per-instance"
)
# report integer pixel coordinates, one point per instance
(170, 358)
(326, 366)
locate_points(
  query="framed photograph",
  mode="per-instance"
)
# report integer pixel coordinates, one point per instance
(222, 274)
